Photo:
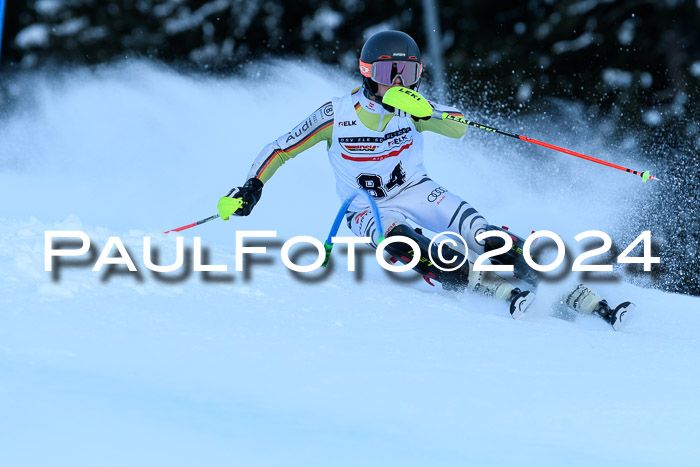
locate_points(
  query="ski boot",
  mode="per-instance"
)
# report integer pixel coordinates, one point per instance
(464, 278)
(618, 317)
(520, 301)
(585, 300)
(493, 285)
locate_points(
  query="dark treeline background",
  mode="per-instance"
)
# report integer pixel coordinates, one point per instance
(632, 62)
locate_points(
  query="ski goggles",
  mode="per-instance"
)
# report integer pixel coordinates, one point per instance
(385, 72)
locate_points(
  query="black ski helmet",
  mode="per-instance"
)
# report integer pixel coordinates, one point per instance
(387, 45)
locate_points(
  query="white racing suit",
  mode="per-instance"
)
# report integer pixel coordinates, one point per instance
(388, 164)
(428, 205)
(381, 151)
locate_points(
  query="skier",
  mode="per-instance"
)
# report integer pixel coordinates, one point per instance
(379, 148)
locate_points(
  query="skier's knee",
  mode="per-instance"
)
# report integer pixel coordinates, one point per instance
(477, 226)
(430, 263)
(397, 229)
(399, 249)
(470, 226)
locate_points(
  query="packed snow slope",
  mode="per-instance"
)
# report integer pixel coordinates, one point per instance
(345, 369)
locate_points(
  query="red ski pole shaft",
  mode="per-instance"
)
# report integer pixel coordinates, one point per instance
(588, 158)
(194, 224)
(229, 203)
(645, 175)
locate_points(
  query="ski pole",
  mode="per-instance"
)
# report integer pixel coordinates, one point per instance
(194, 224)
(341, 213)
(236, 203)
(645, 175)
(411, 102)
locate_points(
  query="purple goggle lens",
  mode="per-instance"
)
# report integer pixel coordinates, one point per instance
(386, 72)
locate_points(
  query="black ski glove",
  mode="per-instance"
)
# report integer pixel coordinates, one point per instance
(249, 193)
